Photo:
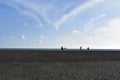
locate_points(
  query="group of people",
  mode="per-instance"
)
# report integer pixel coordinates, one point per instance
(87, 48)
(62, 48)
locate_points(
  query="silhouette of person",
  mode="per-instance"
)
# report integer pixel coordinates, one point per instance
(65, 48)
(62, 48)
(88, 48)
(80, 47)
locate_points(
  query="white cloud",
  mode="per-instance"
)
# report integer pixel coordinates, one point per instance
(108, 36)
(104, 37)
(22, 37)
(75, 32)
(76, 11)
(113, 28)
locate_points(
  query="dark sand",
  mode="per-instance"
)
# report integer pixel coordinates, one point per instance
(59, 65)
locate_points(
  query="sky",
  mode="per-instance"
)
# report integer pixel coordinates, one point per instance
(56, 23)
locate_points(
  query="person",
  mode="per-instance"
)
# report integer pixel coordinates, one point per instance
(80, 47)
(62, 48)
(65, 48)
(88, 48)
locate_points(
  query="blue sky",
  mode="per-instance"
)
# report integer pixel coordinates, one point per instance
(56, 23)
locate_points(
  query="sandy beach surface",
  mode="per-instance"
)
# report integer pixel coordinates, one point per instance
(63, 65)
(88, 70)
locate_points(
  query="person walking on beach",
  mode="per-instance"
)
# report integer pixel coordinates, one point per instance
(80, 47)
(62, 48)
(88, 48)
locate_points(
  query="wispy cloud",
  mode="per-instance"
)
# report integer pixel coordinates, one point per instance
(79, 9)
(42, 12)
(94, 19)
(88, 26)
(29, 9)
